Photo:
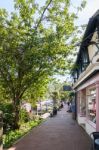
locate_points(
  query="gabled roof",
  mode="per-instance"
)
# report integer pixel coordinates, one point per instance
(91, 27)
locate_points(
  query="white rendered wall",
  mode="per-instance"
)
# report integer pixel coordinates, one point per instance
(90, 127)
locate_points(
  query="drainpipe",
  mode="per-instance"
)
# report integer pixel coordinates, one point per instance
(75, 105)
(75, 101)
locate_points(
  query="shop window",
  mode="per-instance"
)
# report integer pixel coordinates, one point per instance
(82, 108)
(83, 103)
(92, 105)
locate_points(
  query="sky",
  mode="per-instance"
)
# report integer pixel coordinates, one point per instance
(91, 7)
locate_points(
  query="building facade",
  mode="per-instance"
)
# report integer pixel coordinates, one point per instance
(86, 77)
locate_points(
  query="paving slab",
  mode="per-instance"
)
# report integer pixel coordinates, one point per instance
(57, 133)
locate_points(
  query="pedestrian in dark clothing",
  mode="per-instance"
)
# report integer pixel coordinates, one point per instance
(68, 103)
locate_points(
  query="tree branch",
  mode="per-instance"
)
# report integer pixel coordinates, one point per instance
(42, 15)
(9, 82)
(30, 81)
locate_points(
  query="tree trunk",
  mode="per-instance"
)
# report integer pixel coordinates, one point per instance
(16, 107)
(16, 119)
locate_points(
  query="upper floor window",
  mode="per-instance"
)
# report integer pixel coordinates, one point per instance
(83, 61)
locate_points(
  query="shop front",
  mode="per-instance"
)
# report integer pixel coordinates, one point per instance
(88, 104)
(86, 77)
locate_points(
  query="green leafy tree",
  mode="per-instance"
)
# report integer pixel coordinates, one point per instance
(36, 91)
(33, 44)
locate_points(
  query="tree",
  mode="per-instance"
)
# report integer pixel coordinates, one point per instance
(36, 91)
(33, 44)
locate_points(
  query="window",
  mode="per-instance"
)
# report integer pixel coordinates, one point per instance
(83, 102)
(85, 59)
(92, 105)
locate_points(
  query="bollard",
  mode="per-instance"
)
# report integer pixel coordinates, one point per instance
(1, 130)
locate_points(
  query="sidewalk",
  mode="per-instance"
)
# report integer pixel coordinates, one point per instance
(57, 133)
